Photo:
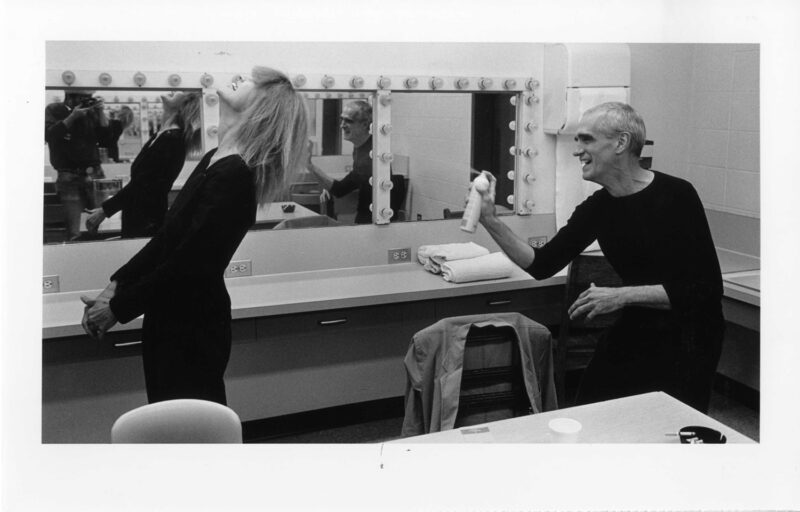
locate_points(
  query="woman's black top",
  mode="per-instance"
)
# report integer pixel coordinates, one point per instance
(181, 268)
(144, 200)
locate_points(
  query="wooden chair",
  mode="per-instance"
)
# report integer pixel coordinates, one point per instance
(492, 386)
(577, 339)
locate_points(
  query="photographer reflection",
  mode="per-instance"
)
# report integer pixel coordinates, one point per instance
(73, 128)
(145, 199)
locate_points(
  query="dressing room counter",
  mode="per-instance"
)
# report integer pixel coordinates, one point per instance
(741, 277)
(303, 292)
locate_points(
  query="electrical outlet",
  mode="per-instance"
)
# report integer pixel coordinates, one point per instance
(239, 268)
(537, 241)
(50, 284)
(400, 255)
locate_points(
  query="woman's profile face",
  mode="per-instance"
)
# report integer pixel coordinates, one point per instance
(237, 93)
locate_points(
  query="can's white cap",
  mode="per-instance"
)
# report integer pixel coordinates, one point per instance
(480, 183)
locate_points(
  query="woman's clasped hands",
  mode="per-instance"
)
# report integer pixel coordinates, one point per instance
(97, 315)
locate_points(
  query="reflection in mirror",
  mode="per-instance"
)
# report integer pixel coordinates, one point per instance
(90, 147)
(439, 141)
(335, 185)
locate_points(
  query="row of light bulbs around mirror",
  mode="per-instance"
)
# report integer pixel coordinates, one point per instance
(329, 82)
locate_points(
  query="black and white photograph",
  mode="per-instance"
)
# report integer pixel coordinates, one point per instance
(309, 268)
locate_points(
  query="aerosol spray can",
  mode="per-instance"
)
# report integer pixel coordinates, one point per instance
(469, 222)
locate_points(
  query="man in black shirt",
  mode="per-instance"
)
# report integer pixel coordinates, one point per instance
(653, 230)
(355, 120)
(72, 130)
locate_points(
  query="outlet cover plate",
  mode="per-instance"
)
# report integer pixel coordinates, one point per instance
(50, 284)
(240, 268)
(400, 255)
(537, 241)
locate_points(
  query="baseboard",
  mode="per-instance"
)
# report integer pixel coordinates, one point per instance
(736, 390)
(263, 430)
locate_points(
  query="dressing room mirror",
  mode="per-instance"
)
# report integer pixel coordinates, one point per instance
(441, 140)
(133, 116)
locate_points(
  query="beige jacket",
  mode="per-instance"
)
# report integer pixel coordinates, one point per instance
(434, 363)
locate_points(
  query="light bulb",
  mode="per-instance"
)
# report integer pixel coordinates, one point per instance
(300, 80)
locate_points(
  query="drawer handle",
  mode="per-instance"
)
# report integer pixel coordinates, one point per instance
(128, 344)
(498, 302)
(332, 322)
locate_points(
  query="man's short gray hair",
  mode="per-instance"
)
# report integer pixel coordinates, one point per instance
(363, 110)
(616, 117)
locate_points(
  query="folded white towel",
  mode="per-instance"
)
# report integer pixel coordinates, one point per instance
(491, 266)
(432, 256)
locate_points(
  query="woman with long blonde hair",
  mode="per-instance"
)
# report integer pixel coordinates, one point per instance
(176, 280)
(144, 200)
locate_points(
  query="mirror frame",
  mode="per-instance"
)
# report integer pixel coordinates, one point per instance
(378, 87)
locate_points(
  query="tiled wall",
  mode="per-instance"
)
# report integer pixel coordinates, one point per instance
(724, 142)
(700, 104)
(434, 131)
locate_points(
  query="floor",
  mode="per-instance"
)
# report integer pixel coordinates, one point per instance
(723, 408)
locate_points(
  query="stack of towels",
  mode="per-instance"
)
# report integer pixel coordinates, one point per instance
(464, 262)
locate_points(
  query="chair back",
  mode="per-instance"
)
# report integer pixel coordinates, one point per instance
(178, 421)
(105, 188)
(447, 213)
(578, 338)
(492, 386)
(397, 197)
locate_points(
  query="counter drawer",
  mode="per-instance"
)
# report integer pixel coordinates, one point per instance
(325, 323)
(540, 304)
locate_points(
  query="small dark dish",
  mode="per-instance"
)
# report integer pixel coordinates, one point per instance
(701, 435)
(287, 208)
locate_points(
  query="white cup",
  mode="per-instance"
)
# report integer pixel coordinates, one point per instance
(564, 430)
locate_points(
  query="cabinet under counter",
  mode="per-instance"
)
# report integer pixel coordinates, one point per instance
(301, 342)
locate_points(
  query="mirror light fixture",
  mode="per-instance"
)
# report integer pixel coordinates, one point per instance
(139, 78)
(300, 80)
(68, 77)
(206, 80)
